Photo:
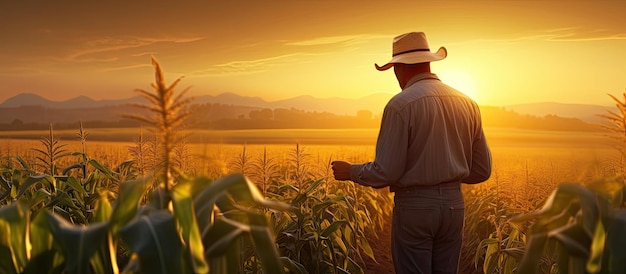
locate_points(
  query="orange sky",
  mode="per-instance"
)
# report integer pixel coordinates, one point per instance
(500, 52)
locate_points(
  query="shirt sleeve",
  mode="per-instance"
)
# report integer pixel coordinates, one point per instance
(391, 151)
(480, 170)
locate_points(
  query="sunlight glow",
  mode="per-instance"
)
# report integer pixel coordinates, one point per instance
(460, 80)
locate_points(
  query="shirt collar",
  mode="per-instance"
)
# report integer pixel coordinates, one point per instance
(419, 77)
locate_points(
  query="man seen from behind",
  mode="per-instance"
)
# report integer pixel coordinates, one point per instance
(430, 141)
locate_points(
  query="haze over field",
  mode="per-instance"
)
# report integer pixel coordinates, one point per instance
(500, 53)
(13, 106)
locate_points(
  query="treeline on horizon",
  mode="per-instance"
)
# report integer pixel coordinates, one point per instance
(230, 117)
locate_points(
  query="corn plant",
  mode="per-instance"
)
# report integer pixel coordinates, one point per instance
(617, 128)
(582, 225)
(52, 152)
(188, 238)
(299, 166)
(325, 233)
(139, 153)
(195, 226)
(498, 244)
(265, 171)
(242, 163)
(617, 120)
(168, 114)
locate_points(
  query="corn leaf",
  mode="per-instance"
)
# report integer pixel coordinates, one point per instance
(155, 240)
(617, 243)
(264, 244)
(127, 203)
(534, 249)
(594, 264)
(219, 237)
(574, 238)
(77, 243)
(186, 218)
(47, 180)
(13, 241)
(44, 257)
(105, 260)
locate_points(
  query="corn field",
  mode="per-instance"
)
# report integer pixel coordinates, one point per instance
(163, 204)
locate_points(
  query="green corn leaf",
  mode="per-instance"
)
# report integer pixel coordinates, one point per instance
(127, 203)
(67, 169)
(155, 240)
(563, 203)
(23, 163)
(336, 225)
(292, 266)
(62, 199)
(185, 216)
(534, 250)
(103, 209)
(574, 238)
(364, 244)
(41, 195)
(105, 170)
(353, 266)
(14, 254)
(491, 253)
(319, 207)
(594, 264)
(616, 243)
(515, 252)
(73, 184)
(264, 246)
(219, 237)
(105, 260)
(225, 191)
(44, 257)
(78, 243)
(47, 180)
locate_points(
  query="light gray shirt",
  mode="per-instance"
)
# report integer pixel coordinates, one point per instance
(430, 134)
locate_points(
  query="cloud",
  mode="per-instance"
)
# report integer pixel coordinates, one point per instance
(252, 66)
(336, 40)
(92, 47)
(582, 34)
(125, 67)
(306, 52)
(568, 34)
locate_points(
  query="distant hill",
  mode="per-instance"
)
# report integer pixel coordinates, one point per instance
(585, 112)
(30, 99)
(342, 106)
(231, 109)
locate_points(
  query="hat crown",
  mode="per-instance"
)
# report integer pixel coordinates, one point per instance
(412, 48)
(409, 42)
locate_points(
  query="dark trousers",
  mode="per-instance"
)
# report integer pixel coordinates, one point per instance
(427, 229)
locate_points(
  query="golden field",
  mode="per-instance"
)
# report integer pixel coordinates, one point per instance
(520, 157)
(527, 166)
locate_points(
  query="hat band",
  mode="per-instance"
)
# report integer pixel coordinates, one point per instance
(408, 51)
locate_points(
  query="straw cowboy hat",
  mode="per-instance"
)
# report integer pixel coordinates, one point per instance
(412, 48)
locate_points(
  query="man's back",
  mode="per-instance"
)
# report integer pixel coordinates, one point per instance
(443, 127)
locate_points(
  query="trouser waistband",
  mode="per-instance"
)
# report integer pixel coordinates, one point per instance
(449, 185)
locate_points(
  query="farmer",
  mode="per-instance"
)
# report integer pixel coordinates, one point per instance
(430, 141)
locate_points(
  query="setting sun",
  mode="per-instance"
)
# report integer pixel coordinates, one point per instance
(460, 80)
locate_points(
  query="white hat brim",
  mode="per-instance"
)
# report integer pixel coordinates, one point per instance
(415, 58)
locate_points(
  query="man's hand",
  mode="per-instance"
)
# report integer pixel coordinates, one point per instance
(341, 170)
